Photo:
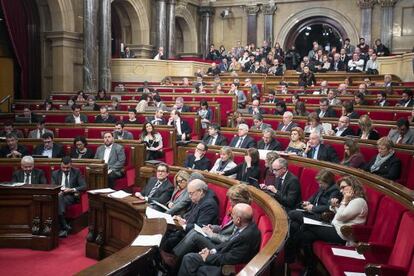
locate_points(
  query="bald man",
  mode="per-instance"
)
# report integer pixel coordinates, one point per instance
(242, 246)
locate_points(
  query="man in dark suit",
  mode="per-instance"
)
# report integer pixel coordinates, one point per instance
(114, 155)
(28, 174)
(76, 117)
(182, 127)
(254, 90)
(39, 131)
(8, 128)
(382, 99)
(158, 118)
(271, 97)
(316, 150)
(243, 140)
(287, 188)
(287, 122)
(213, 137)
(406, 99)
(49, 148)
(255, 108)
(120, 133)
(240, 248)
(337, 64)
(104, 117)
(198, 160)
(324, 110)
(258, 123)
(180, 106)
(72, 182)
(13, 149)
(343, 128)
(158, 188)
(268, 141)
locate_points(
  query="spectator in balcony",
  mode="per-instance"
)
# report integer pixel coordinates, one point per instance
(348, 110)
(214, 137)
(307, 78)
(276, 69)
(120, 133)
(132, 117)
(8, 128)
(127, 53)
(104, 117)
(385, 163)
(249, 170)
(297, 143)
(372, 65)
(39, 131)
(314, 124)
(225, 162)
(343, 129)
(366, 130)
(287, 122)
(318, 151)
(182, 126)
(213, 53)
(113, 154)
(402, 134)
(300, 109)
(102, 96)
(380, 48)
(388, 81)
(80, 149)
(337, 64)
(160, 54)
(12, 149)
(205, 113)
(352, 156)
(242, 139)
(382, 99)
(49, 148)
(292, 58)
(153, 142)
(76, 117)
(28, 174)
(214, 70)
(406, 99)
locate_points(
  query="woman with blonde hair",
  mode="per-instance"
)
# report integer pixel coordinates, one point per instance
(225, 162)
(297, 141)
(366, 131)
(180, 201)
(314, 124)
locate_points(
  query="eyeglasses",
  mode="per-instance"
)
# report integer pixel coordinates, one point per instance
(192, 193)
(200, 149)
(163, 171)
(276, 170)
(181, 180)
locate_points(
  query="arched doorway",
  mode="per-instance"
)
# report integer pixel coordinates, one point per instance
(326, 31)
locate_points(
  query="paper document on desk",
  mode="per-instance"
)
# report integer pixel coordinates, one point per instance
(199, 230)
(12, 184)
(147, 240)
(160, 205)
(119, 194)
(152, 213)
(315, 222)
(347, 253)
(354, 273)
(101, 191)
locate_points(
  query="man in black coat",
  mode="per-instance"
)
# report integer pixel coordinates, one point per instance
(49, 148)
(268, 141)
(243, 140)
(240, 248)
(13, 149)
(343, 129)
(28, 174)
(324, 110)
(198, 160)
(316, 150)
(213, 137)
(104, 117)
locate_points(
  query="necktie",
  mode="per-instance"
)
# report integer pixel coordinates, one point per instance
(266, 147)
(235, 233)
(399, 140)
(154, 189)
(66, 175)
(210, 140)
(312, 153)
(239, 143)
(27, 178)
(279, 181)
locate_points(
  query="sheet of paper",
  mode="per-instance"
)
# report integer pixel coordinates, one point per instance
(119, 194)
(354, 273)
(160, 205)
(347, 253)
(151, 213)
(315, 222)
(199, 230)
(263, 153)
(101, 191)
(10, 184)
(147, 240)
(326, 127)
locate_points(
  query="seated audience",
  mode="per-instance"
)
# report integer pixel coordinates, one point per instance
(198, 160)
(406, 99)
(120, 133)
(31, 117)
(297, 143)
(160, 54)
(153, 142)
(180, 200)
(268, 141)
(287, 122)
(372, 65)
(127, 53)
(254, 89)
(280, 108)
(300, 109)
(249, 170)
(114, 104)
(314, 124)
(72, 182)
(381, 49)
(366, 129)
(217, 89)
(225, 162)
(385, 163)
(39, 131)
(102, 96)
(236, 119)
(132, 117)
(255, 108)
(142, 105)
(104, 117)
(182, 127)
(214, 137)
(205, 113)
(76, 117)
(359, 99)
(325, 110)
(271, 97)
(47, 105)
(269, 176)
(402, 134)
(114, 155)
(12, 149)
(332, 97)
(158, 118)
(242, 139)
(307, 78)
(318, 151)
(28, 174)
(180, 106)
(91, 105)
(352, 156)
(8, 128)
(356, 64)
(241, 97)
(382, 99)
(49, 148)
(258, 123)
(343, 129)
(214, 70)
(80, 149)
(348, 110)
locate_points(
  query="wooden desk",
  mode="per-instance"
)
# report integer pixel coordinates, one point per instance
(28, 217)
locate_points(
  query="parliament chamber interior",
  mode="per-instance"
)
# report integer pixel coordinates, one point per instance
(207, 137)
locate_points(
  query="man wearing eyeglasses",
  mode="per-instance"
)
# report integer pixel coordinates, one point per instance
(158, 188)
(198, 160)
(49, 148)
(286, 189)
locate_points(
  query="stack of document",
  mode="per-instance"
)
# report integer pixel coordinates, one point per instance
(147, 240)
(199, 230)
(315, 222)
(347, 253)
(101, 191)
(119, 194)
(152, 213)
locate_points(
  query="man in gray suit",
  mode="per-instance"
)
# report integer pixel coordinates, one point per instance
(258, 123)
(71, 181)
(39, 131)
(120, 133)
(76, 117)
(402, 134)
(28, 174)
(114, 155)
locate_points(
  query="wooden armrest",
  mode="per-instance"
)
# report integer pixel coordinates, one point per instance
(356, 232)
(384, 270)
(375, 250)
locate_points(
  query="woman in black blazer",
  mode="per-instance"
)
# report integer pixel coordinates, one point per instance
(80, 150)
(248, 171)
(366, 130)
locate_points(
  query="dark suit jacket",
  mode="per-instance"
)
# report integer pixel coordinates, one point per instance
(110, 120)
(410, 103)
(347, 131)
(220, 141)
(88, 155)
(289, 128)
(4, 151)
(289, 196)
(353, 115)
(203, 213)
(273, 145)
(185, 128)
(341, 66)
(202, 164)
(321, 199)
(57, 150)
(38, 176)
(185, 108)
(162, 194)
(390, 169)
(76, 179)
(244, 174)
(330, 113)
(240, 249)
(71, 120)
(326, 153)
(248, 142)
(160, 121)
(261, 110)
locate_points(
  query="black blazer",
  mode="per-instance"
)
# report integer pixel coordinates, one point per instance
(185, 128)
(273, 145)
(203, 213)
(289, 128)
(410, 103)
(37, 176)
(220, 141)
(261, 110)
(330, 113)
(321, 199)
(57, 150)
(390, 169)
(88, 155)
(347, 131)
(5, 150)
(110, 120)
(240, 249)
(76, 179)
(326, 153)
(248, 142)
(151, 120)
(162, 194)
(373, 134)
(289, 196)
(243, 174)
(70, 119)
(202, 164)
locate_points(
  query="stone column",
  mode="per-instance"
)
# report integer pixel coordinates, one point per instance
(366, 19)
(161, 24)
(268, 11)
(206, 13)
(171, 28)
(387, 17)
(90, 45)
(252, 23)
(105, 45)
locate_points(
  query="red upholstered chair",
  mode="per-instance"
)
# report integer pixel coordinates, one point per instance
(405, 158)
(410, 183)
(308, 184)
(129, 179)
(381, 115)
(257, 212)
(7, 173)
(295, 169)
(222, 199)
(373, 199)
(266, 229)
(69, 132)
